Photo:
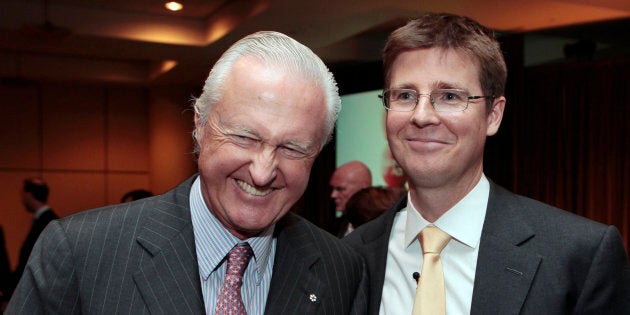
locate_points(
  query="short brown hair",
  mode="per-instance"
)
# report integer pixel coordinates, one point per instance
(450, 31)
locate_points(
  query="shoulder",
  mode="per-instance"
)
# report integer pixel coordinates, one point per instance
(294, 230)
(49, 215)
(129, 217)
(541, 215)
(553, 231)
(297, 227)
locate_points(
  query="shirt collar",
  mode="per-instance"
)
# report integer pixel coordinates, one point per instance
(40, 211)
(463, 222)
(213, 241)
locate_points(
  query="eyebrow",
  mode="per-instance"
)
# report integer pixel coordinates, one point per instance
(448, 85)
(434, 86)
(239, 129)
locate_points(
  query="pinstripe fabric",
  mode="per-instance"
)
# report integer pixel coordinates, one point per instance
(140, 258)
(133, 258)
(213, 242)
(314, 273)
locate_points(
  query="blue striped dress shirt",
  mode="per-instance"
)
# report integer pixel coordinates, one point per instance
(213, 242)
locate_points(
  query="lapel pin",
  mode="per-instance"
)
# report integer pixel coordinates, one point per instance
(312, 297)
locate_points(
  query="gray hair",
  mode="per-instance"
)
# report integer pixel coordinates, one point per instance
(275, 49)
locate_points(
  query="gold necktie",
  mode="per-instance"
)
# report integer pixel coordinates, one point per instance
(431, 293)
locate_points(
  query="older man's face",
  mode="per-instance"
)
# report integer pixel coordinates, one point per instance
(259, 145)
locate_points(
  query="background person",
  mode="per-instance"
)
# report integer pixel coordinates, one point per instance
(136, 194)
(35, 200)
(346, 180)
(268, 107)
(504, 254)
(369, 203)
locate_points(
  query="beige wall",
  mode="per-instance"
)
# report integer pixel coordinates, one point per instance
(91, 143)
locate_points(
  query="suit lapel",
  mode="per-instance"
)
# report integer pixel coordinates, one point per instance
(505, 270)
(169, 277)
(294, 287)
(375, 252)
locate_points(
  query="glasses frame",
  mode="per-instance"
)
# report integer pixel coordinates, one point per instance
(431, 100)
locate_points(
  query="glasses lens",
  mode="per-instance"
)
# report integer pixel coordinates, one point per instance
(400, 100)
(449, 100)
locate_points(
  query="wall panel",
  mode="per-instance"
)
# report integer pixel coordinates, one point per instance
(19, 128)
(127, 130)
(120, 184)
(73, 127)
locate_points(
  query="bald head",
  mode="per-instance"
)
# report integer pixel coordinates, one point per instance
(347, 180)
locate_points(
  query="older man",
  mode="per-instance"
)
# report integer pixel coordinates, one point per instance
(222, 242)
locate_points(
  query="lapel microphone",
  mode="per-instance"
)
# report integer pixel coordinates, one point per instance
(416, 276)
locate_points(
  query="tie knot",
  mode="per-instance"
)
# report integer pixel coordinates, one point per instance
(433, 240)
(238, 258)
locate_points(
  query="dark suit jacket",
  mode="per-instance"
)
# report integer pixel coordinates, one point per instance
(139, 257)
(339, 226)
(36, 229)
(533, 259)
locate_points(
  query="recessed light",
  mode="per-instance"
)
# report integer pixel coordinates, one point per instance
(173, 6)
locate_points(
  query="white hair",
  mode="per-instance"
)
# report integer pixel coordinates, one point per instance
(275, 49)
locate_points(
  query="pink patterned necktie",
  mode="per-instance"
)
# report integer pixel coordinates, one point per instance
(230, 301)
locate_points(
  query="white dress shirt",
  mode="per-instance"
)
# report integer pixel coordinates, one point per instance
(463, 222)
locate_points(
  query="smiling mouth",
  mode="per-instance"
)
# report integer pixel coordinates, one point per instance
(428, 140)
(252, 190)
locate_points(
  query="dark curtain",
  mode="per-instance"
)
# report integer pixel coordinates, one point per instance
(316, 205)
(571, 139)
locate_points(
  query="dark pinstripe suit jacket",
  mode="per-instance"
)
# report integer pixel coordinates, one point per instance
(139, 258)
(533, 259)
(37, 227)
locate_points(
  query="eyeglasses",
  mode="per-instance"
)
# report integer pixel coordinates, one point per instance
(443, 100)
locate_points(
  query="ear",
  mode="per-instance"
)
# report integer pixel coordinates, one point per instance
(495, 116)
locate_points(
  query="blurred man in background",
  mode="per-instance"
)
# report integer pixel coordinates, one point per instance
(35, 200)
(346, 180)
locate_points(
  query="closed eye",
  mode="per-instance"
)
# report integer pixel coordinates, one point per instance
(243, 140)
(293, 152)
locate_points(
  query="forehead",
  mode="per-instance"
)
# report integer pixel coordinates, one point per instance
(272, 101)
(341, 178)
(435, 66)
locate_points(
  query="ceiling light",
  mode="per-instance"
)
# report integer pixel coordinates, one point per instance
(173, 6)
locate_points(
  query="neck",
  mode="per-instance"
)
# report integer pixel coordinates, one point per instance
(433, 202)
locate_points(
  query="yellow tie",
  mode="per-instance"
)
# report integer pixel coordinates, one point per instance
(431, 293)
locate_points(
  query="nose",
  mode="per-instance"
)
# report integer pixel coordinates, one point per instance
(334, 194)
(263, 168)
(424, 114)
